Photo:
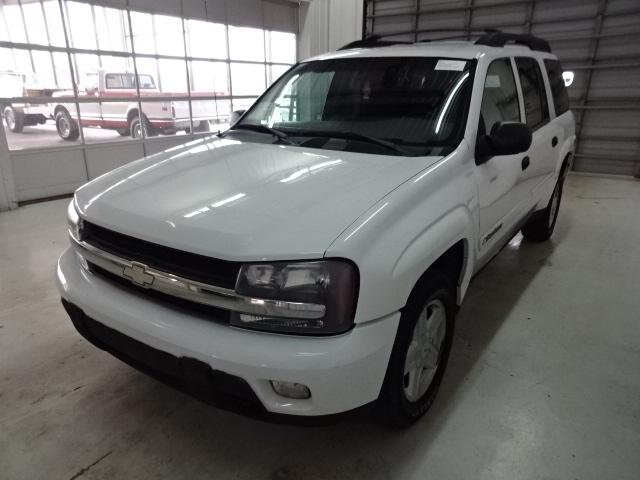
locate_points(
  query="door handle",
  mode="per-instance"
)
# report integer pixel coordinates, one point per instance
(554, 141)
(525, 163)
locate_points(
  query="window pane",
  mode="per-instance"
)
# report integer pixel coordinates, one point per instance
(173, 76)
(44, 69)
(22, 60)
(209, 77)
(80, 23)
(169, 38)
(247, 79)
(148, 66)
(500, 97)
(84, 64)
(63, 75)
(206, 39)
(533, 91)
(13, 20)
(166, 117)
(276, 71)
(223, 112)
(112, 29)
(54, 23)
(246, 44)
(142, 26)
(211, 115)
(282, 47)
(35, 23)
(243, 103)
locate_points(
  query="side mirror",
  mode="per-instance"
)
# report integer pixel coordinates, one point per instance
(506, 138)
(235, 116)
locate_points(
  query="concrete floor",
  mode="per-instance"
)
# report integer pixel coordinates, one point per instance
(543, 383)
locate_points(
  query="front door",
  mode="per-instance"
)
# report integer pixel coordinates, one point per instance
(501, 194)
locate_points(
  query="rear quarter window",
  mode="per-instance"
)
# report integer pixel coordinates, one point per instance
(558, 90)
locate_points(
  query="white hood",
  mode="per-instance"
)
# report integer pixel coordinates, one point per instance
(244, 201)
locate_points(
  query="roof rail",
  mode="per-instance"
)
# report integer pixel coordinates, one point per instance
(373, 41)
(496, 38)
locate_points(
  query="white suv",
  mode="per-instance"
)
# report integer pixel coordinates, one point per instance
(310, 260)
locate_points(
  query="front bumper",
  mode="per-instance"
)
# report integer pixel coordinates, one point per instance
(343, 372)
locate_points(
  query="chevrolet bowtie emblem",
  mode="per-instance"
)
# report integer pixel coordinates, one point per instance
(138, 274)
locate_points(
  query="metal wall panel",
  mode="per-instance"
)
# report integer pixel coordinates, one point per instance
(599, 40)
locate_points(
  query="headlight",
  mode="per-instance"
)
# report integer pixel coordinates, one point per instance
(74, 220)
(303, 289)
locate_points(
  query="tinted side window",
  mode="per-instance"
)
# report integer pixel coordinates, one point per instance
(500, 97)
(558, 90)
(535, 96)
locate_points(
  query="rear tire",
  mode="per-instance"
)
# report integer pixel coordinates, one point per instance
(136, 126)
(540, 227)
(13, 119)
(420, 352)
(66, 126)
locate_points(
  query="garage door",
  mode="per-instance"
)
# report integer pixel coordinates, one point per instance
(597, 40)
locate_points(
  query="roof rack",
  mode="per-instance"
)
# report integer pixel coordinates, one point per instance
(496, 38)
(373, 41)
(491, 38)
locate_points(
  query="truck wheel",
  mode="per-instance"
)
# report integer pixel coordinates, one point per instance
(13, 119)
(540, 227)
(124, 132)
(420, 352)
(67, 127)
(136, 126)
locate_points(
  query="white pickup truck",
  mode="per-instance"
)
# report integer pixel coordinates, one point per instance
(166, 117)
(310, 260)
(18, 115)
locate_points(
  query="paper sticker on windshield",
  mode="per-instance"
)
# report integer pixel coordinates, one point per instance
(456, 65)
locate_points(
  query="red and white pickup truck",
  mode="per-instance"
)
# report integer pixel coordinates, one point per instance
(166, 117)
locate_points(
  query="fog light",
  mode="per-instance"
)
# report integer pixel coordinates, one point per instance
(290, 389)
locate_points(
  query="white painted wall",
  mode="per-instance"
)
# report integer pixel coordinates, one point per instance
(326, 25)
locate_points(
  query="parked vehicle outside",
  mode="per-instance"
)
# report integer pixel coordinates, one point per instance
(165, 117)
(310, 260)
(18, 115)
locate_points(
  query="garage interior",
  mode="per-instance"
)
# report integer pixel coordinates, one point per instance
(543, 377)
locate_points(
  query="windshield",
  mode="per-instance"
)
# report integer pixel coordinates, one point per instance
(388, 105)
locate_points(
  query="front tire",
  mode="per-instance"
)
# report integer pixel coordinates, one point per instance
(420, 352)
(66, 126)
(540, 227)
(13, 119)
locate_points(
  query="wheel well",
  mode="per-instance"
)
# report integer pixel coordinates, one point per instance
(59, 108)
(565, 164)
(133, 113)
(450, 264)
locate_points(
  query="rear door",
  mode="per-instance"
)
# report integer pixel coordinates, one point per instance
(559, 100)
(545, 133)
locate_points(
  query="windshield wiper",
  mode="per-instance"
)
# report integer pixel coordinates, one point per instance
(354, 136)
(281, 136)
